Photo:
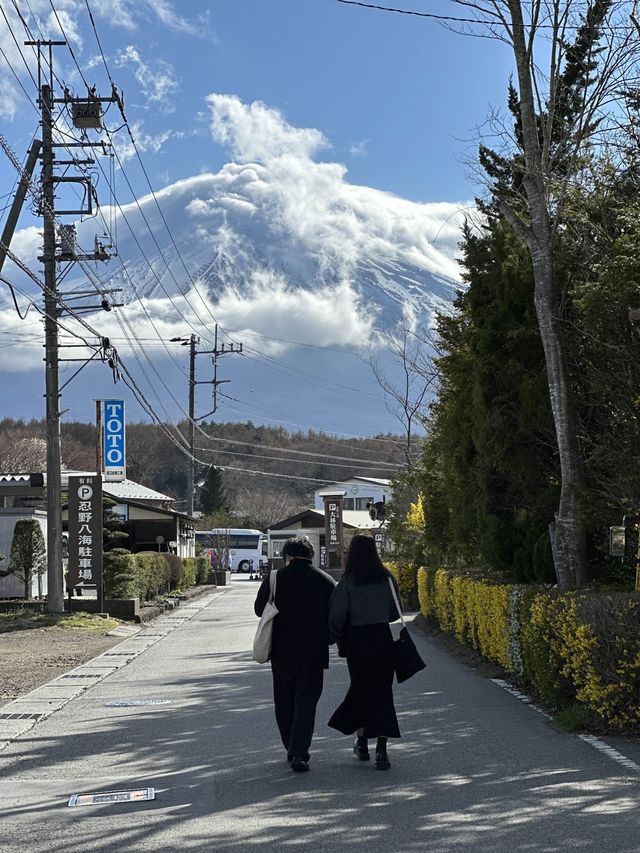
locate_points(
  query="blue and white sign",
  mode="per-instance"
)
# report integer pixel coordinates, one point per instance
(113, 446)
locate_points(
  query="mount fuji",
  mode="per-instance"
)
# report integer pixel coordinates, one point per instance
(308, 270)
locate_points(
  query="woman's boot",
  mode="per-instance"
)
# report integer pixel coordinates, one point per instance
(382, 759)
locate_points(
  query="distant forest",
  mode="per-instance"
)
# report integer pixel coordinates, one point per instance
(156, 461)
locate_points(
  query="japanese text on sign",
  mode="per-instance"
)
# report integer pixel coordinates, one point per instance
(85, 532)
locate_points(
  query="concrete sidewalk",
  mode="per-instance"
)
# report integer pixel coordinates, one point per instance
(475, 770)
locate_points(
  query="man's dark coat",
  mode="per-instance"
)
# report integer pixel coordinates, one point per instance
(301, 628)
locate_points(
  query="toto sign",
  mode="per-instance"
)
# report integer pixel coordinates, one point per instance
(113, 446)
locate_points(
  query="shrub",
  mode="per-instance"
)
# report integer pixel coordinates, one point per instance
(175, 570)
(202, 569)
(119, 574)
(577, 650)
(151, 574)
(474, 610)
(189, 572)
(406, 575)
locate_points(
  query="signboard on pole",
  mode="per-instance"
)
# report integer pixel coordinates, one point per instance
(85, 532)
(114, 458)
(333, 530)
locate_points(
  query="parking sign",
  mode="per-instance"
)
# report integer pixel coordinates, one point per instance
(113, 447)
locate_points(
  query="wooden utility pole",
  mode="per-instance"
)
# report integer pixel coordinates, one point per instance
(216, 352)
(193, 341)
(55, 586)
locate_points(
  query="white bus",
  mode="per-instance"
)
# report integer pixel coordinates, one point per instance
(239, 549)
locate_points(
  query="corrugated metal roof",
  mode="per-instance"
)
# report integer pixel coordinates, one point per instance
(134, 491)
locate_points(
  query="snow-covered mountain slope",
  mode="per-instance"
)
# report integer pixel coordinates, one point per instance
(277, 246)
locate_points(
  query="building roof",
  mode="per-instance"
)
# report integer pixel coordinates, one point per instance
(129, 490)
(377, 480)
(352, 518)
(337, 487)
(126, 490)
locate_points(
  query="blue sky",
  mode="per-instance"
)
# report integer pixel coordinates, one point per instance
(397, 97)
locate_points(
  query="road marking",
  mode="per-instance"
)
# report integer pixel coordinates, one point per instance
(591, 740)
(521, 696)
(611, 752)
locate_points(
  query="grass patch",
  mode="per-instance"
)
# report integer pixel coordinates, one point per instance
(574, 718)
(23, 618)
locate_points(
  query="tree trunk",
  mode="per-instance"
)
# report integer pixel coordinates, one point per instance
(568, 544)
(569, 534)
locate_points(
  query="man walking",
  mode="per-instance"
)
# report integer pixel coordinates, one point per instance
(299, 646)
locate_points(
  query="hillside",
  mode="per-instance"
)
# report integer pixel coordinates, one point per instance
(154, 460)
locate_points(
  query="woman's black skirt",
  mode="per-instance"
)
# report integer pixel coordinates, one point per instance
(369, 700)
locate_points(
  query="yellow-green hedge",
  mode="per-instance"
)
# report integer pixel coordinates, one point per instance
(406, 578)
(475, 611)
(573, 647)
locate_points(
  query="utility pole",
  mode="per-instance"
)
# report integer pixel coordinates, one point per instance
(224, 349)
(86, 113)
(193, 340)
(55, 586)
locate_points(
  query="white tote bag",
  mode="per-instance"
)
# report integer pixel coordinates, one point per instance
(262, 639)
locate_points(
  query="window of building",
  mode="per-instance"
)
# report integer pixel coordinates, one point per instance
(361, 503)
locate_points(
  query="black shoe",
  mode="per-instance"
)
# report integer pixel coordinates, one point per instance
(304, 757)
(382, 761)
(299, 765)
(361, 749)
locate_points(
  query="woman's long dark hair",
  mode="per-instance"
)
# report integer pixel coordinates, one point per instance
(363, 561)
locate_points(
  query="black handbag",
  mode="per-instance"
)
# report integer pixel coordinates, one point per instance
(406, 658)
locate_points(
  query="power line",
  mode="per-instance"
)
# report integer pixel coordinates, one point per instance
(296, 452)
(320, 429)
(288, 459)
(484, 21)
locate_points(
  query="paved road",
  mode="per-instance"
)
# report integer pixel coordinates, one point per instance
(476, 769)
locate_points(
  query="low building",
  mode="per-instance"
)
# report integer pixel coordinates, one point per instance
(149, 519)
(358, 492)
(310, 523)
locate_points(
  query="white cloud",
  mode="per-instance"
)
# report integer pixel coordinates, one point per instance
(357, 149)
(145, 142)
(328, 316)
(157, 79)
(256, 132)
(130, 13)
(65, 25)
(339, 222)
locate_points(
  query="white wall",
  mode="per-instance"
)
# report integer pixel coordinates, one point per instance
(356, 489)
(12, 587)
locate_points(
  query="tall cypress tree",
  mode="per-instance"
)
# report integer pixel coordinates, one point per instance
(213, 497)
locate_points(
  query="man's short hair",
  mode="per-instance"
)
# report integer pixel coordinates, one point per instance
(298, 547)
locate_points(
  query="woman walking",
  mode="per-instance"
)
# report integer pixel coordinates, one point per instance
(362, 605)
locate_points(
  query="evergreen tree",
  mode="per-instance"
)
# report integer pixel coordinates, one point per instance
(490, 480)
(213, 497)
(113, 535)
(28, 554)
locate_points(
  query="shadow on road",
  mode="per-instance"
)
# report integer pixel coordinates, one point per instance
(463, 778)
